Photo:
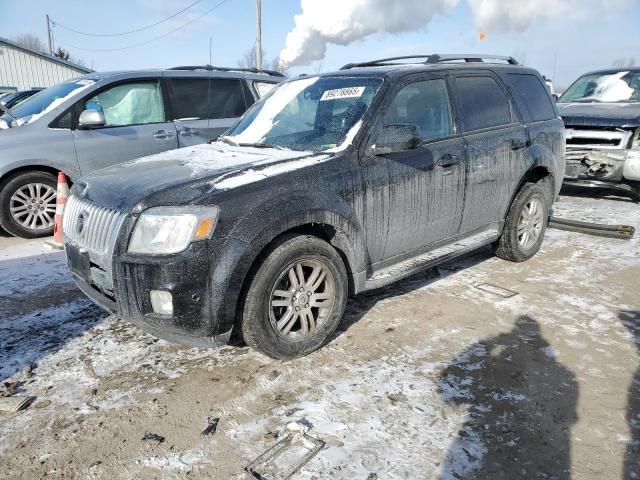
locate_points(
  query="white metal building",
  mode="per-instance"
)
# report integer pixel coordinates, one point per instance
(22, 68)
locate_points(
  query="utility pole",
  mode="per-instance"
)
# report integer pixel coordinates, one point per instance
(49, 35)
(258, 34)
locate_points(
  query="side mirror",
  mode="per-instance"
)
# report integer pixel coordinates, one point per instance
(555, 96)
(397, 138)
(91, 119)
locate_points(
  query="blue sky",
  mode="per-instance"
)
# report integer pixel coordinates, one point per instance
(575, 46)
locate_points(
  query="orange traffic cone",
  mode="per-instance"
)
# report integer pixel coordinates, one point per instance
(61, 200)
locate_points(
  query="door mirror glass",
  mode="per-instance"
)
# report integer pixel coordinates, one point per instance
(397, 138)
(91, 119)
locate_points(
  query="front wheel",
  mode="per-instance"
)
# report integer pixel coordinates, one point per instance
(526, 223)
(28, 205)
(296, 298)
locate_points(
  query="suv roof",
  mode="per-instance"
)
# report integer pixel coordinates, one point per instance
(435, 59)
(399, 66)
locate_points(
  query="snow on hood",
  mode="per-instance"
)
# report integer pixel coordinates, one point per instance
(218, 166)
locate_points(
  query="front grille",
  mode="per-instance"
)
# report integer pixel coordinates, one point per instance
(91, 227)
(597, 139)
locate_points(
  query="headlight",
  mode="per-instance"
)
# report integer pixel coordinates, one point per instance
(165, 230)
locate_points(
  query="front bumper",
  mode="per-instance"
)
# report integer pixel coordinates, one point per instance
(185, 275)
(612, 169)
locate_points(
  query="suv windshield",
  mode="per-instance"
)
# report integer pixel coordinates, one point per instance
(48, 99)
(310, 114)
(614, 87)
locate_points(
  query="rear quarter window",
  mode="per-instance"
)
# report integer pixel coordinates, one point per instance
(484, 104)
(531, 97)
(226, 98)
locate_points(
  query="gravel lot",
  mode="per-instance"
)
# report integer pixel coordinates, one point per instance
(430, 378)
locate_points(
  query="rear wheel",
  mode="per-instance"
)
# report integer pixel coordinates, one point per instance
(28, 205)
(296, 298)
(526, 223)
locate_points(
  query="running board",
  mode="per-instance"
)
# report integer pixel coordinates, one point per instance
(430, 259)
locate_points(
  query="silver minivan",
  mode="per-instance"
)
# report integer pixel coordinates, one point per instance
(102, 119)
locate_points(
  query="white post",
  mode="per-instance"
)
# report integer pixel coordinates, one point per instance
(258, 34)
(49, 36)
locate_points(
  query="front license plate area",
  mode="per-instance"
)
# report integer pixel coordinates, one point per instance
(79, 262)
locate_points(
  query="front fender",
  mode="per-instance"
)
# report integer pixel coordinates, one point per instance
(268, 220)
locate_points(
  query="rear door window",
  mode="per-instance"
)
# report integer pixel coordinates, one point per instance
(226, 98)
(484, 104)
(189, 97)
(425, 104)
(531, 97)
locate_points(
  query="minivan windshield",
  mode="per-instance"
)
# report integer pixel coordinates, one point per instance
(46, 100)
(610, 87)
(310, 114)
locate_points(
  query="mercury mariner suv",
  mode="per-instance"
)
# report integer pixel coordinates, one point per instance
(331, 185)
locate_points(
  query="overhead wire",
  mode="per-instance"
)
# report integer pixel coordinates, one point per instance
(141, 29)
(219, 4)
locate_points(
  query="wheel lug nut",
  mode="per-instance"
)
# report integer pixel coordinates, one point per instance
(297, 309)
(301, 289)
(306, 306)
(308, 294)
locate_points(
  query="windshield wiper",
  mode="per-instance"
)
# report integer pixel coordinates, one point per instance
(226, 139)
(262, 145)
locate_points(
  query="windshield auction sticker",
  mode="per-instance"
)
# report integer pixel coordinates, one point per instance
(338, 93)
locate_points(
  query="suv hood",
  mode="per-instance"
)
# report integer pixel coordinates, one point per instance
(179, 177)
(621, 115)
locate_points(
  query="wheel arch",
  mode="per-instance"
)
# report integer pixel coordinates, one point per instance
(251, 240)
(11, 174)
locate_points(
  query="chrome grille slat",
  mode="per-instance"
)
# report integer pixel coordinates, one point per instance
(101, 225)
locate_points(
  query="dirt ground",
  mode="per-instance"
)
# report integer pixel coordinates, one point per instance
(438, 376)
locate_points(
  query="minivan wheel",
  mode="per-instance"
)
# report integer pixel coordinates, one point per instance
(28, 205)
(526, 223)
(296, 298)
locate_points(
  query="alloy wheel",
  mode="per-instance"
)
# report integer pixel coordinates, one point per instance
(302, 299)
(33, 206)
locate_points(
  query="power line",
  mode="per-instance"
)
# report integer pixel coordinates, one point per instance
(58, 24)
(151, 40)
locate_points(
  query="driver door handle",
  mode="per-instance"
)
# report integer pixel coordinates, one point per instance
(519, 144)
(448, 160)
(162, 135)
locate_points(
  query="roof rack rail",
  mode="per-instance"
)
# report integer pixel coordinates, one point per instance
(433, 59)
(273, 73)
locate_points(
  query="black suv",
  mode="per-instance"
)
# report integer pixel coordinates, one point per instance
(333, 184)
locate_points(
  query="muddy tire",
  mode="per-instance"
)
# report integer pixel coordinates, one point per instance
(526, 223)
(296, 298)
(27, 205)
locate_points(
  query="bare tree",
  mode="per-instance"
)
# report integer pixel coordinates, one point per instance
(30, 41)
(33, 42)
(61, 53)
(248, 60)
(624, 62)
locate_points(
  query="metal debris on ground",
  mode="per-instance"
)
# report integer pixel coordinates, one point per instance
(212, 426)
(496, 290)
(286, 457)
(623, 232)
(15, 403)
(153, 437)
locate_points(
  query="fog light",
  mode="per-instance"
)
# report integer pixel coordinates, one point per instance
(161, 302)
